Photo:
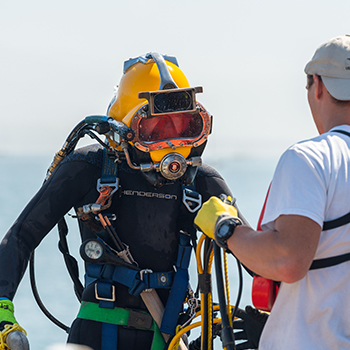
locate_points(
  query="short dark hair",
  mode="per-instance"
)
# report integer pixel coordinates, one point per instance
(310, 81)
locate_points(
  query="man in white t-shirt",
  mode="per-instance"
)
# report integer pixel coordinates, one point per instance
(311, 186)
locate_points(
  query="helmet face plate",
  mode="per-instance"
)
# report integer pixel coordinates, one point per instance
(170, 130)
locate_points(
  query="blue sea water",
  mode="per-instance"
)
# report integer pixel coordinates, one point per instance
(22, 176)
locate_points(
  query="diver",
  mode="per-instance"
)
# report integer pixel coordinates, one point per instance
(135, 200)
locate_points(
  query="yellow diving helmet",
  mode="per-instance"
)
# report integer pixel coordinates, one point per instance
(156, 101)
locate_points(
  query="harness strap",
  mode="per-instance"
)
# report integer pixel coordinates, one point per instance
(174, 305)
(121, 317)
(327, 262)
(109, 175)
(329, 225)
(109, 336)
(137, 281)
(342, 132)
(108, 183)
(343, 220)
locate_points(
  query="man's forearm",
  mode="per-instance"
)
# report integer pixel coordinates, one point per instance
(284, 254)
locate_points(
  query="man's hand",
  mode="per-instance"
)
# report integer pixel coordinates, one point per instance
(251, 324)
(217, 220)
(208, 215)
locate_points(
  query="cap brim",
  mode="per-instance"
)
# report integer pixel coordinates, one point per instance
(339, 88)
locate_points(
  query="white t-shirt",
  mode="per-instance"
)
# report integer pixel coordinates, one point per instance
(311, 179)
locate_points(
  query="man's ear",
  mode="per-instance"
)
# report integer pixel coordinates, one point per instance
(319, 87)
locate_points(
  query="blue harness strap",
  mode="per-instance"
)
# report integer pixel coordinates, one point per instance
(178, 291)
(137, 281)
(104, 289)
(109, 175)
(109, 339)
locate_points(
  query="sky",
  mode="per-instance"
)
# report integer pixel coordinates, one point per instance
(60, 61)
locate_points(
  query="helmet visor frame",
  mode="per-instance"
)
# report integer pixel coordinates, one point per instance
(170, 130)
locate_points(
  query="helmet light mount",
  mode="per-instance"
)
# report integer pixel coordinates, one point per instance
(171, 101)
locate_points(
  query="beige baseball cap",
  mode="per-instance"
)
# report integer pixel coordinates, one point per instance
(332, 62)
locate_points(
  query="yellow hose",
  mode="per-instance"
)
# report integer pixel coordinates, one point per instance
(185, 330)
(210, 307)
(191, 326)
(229, 310)
(200, 271)
(210, 298)
(198, 254)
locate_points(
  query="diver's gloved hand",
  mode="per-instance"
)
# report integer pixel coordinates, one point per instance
(6, 313)
(12, 335)
(217, 220)
(251, 323)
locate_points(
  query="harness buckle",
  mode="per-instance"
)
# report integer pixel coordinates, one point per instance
(105, 299)
(192, 200)
(142, 272)
(110, 184)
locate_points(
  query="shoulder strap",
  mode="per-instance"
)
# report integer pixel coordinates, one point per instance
(109, 175)
(328, 225)
(342, 132)
(345, 219)
(327, 262)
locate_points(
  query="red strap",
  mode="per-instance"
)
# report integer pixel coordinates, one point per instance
(264, 291)
(263, 210)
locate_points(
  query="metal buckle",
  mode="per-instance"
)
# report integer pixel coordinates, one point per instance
(105, 299)
(142, 272)
(110, 184)
(192, 306)
(190, 200)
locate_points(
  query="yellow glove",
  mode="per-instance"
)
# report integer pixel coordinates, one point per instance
(216, 220)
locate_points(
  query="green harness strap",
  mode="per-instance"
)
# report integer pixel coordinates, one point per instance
(119, 316)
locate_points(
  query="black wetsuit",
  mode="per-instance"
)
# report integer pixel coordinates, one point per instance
(147, 221)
